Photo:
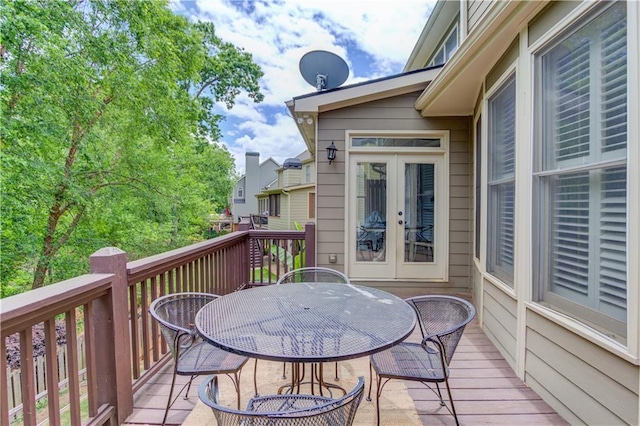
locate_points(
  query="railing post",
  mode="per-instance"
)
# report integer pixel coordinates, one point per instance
(113, 364)
(245, 261)
(310, 244)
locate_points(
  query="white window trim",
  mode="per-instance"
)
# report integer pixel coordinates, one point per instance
(631, 351)
(443, 149)
(494, 279)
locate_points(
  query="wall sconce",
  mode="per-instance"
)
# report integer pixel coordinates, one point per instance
(331, 152)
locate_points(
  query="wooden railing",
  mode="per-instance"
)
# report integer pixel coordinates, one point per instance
(123, 347)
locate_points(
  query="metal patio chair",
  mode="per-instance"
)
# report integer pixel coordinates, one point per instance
(442, 321)
(314, 274)
(192, 356)
(285, 410)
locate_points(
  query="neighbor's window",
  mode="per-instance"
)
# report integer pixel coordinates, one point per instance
(274, 205)
(240, 192)
(307, 174)
(312, 205)
(262, 205)
(501, 148)
(581, 172)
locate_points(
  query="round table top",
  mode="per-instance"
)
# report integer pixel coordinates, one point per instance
(306, 322)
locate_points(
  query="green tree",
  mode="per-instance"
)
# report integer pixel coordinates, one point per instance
(107, 121)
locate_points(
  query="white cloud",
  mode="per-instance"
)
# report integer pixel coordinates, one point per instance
(278, 33)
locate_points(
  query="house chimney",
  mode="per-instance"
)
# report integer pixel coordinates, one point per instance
(252, 181)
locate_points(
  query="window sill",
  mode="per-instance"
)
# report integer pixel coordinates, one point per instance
(585, 332)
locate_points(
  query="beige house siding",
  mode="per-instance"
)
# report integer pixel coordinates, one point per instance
(584, 383)
(475, 10)
(397, 113)
(293, 208)
(499, 320)
(581, 379)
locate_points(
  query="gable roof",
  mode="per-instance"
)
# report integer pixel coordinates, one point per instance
(305, 108)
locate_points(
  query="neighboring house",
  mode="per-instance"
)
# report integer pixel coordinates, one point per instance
(292, 199)
(258, 175)
(509, 173)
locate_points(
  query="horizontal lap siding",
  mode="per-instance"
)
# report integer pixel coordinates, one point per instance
(595, 386)
(475, 10)
(499, 320)
(397, 113)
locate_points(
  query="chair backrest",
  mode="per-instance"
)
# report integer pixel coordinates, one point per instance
(444, 318)
(313, 274)
(286, 409)
(176, 315)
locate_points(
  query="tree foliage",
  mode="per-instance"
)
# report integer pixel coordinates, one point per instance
(107, 121)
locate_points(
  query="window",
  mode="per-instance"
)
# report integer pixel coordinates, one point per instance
(274, 205)
(581, 172)
(240, 192)
(446, 49)
(312, 205)
(501, 181)
(307, 174)
(263, 206)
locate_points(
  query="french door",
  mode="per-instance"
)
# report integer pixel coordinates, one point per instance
(397, 216)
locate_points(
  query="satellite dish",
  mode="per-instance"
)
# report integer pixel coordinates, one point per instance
(324, 70)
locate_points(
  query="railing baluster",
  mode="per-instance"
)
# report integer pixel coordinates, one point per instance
(4, 396)
(90, 358)
(51, 359)
(27, 377)
(135, 332)
(72, 365)
(154, 325)
(144, 323)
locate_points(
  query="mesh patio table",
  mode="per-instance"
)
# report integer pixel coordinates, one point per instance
(306, 322)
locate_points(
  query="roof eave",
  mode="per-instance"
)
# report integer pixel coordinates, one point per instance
(455, 90)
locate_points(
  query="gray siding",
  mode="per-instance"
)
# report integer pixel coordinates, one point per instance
(583, 382)
(397, 113)
(475, 10)
(499, 320)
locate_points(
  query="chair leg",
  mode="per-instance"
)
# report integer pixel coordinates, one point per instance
(166, 411)
(336, 378)
(186, 394)
(453, 407)
(236, 383)
(442, 403)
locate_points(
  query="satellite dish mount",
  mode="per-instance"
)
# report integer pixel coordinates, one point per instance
(323, 70)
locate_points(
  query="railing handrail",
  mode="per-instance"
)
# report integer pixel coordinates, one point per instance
(156, 264)
(40, 304)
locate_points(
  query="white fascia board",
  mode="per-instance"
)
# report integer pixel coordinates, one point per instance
(362, 92)
(455, 90)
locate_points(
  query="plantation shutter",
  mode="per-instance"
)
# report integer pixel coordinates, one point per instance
(501, 185)
(585, 112)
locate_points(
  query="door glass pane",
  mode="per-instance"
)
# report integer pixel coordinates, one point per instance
(419, 203)
(371, 212)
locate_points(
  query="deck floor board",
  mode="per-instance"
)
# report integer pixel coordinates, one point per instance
(485, 389)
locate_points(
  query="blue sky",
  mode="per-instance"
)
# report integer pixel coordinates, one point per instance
(375, 38)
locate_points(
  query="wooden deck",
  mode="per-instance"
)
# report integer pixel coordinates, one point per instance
(485, 390)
